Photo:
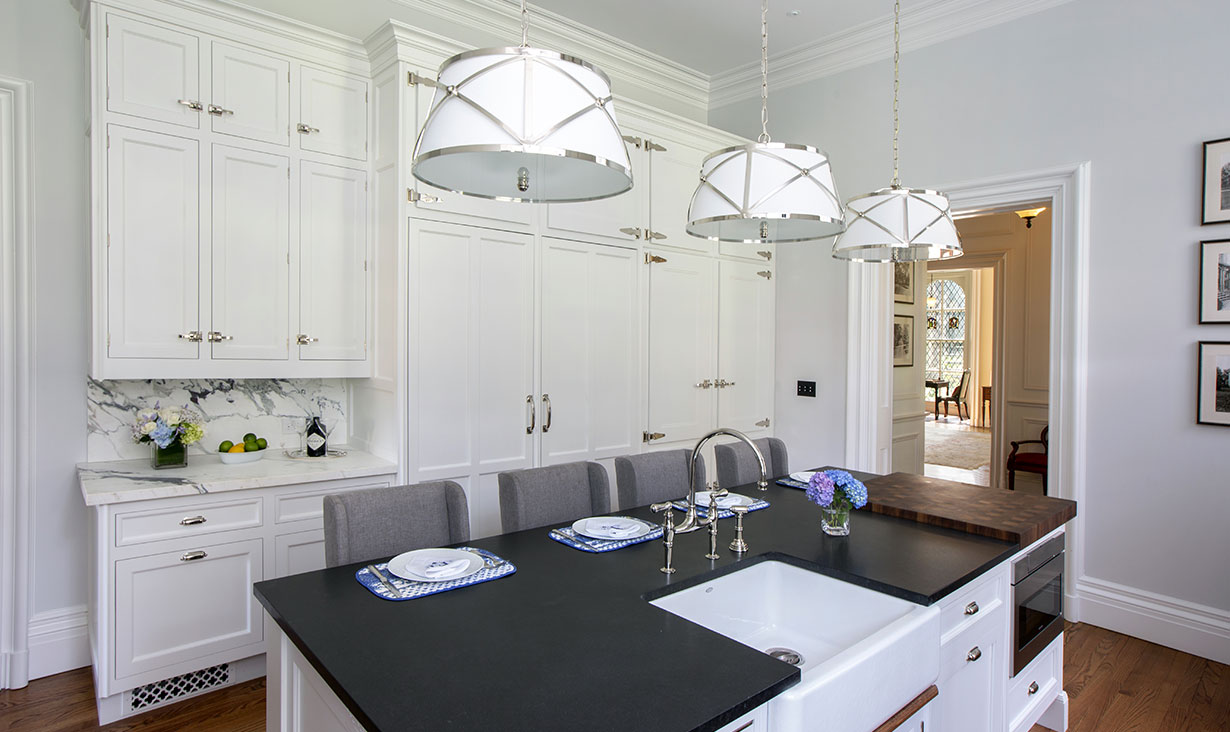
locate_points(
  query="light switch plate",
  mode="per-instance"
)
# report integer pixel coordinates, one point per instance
(807, 389)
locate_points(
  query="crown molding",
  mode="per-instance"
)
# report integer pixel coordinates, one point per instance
(618, 59)
(924, 24)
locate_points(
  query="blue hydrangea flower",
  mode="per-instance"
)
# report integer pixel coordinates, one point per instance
(163, 435)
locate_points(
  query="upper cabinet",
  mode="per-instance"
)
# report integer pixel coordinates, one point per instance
(332, 113)
(153, 72)
(251, 95)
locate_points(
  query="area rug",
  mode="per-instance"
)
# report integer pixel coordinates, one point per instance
(957, 448)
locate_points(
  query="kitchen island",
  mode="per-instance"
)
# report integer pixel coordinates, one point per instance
(571, 639)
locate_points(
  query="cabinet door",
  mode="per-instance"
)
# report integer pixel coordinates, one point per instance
(332, 262)
(153, 72)
(682, 345)
(251, 95)
(590, 352)
(332, 113)
(153, 208)
(302, 551)
(674, 173)
(745, 346)
(617, 220)
(972, 677)
(184, 605)
(251, 254)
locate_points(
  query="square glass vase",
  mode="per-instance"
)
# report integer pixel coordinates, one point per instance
(174, 455)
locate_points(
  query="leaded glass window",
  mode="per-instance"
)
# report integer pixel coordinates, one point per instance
(945, 331)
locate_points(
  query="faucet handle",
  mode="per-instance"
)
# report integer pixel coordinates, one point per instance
(660, 507)
(739, 510)
(668, 518)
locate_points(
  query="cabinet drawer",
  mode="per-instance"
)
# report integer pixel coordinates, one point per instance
(190, 520)
(754, 721)
(1033, 690)
(310, 504)
(973, 603)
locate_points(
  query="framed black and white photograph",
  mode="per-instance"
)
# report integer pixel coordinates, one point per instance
(1216, 181)
(1215, 281)
(1213, 383)
(903, 282)
(903, 340)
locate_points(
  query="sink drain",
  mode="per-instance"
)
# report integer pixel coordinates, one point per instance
(790, 656)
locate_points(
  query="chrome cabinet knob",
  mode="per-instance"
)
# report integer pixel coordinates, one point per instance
(192, 335)
(974, 654)
(305, 129)
(1033, 688)
(971, 609)
(304, 339)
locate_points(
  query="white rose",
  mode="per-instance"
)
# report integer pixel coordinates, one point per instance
(171, 416)
(148, 427)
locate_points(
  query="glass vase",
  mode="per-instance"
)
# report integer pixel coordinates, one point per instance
(174, 455)
(835, 520)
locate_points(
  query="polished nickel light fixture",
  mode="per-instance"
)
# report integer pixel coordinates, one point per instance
(522, 124)
(765, 191)
(897, 224)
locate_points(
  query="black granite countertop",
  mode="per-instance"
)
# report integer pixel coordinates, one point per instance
(570, 639)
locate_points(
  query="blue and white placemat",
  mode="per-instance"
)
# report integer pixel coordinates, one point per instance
(791, 482)
(566, 536)
(703, 511)
(411, 590)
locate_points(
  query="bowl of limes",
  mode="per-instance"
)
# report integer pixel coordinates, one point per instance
(249, 450)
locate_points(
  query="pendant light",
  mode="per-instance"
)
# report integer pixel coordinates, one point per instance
(897, 224)
(765, 191)
(522, 124)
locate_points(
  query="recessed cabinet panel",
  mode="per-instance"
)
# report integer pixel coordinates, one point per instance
(251, 95)
(617, 220)
(332, 263)
(332, 113)
(745, 346)
(303, 551)
(251, 255)
(675, 173)
(153, 207)
(972, 671)
(153, 72)
(682, 335)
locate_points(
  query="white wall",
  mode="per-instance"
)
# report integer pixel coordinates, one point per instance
(1133, 86)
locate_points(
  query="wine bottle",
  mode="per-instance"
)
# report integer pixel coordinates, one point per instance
(317, 439)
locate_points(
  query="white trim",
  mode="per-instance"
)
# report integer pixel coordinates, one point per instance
(59, 641)
(1190, 627)
(922, 24)
(16, 376)
(869, 390)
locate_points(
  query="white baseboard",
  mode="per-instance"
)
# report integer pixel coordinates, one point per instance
(59, 641)
(1186, 626)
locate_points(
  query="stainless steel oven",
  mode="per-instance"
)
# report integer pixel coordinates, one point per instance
(1037, 601)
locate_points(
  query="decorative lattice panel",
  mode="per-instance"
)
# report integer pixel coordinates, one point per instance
(178, 687)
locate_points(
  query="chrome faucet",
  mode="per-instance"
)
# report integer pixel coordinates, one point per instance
(692, 521)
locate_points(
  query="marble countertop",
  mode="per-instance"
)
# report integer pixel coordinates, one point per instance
(121, 481)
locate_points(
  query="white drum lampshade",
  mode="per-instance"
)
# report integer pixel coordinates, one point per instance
(898, 225)
(522, 124)
(766, 192)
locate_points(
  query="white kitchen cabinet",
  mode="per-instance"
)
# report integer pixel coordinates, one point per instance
(590, 346)
(152, 245)
(332, 113)
(303, 551)
(332, 263)
(251, 255)
(683, 306)
(251, 94)
(153, 71)
(755, 252)
(746, 338)
(972, 672)
(674, 174)
(621, 219)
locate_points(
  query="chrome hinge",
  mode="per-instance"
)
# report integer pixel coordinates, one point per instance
(763, 423)
(634, 141)
(651, 235)
(651, 436)
(413, 79)
(414, 196)
(765, 274)
(653, 259)
(767, 255)
(631, 231)
(651, 146)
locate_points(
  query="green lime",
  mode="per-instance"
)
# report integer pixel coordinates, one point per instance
(225, 446)
(249, 437)
(262, 443)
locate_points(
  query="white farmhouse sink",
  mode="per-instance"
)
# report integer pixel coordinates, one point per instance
(864, 654)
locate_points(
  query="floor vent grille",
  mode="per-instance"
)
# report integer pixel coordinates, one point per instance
(178, 687)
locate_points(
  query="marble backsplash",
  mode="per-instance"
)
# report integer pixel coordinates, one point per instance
(231, 408)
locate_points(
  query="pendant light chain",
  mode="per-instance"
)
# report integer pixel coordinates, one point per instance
(525, 25)
(896, 87)
(764, 71)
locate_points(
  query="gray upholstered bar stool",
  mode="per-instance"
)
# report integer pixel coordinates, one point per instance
(653, 477)
(380, 522)
(555, 494)
(736, 465)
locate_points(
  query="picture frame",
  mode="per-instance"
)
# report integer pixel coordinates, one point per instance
(1216, 178)
(903, 282)
(1215, 281)
(1213, 383)
(903, 340)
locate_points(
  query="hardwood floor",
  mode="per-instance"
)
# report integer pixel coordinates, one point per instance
(1116, 684)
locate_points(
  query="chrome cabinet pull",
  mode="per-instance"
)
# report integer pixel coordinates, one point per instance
(192, 335)
(974, 654)
(651, 235)
(192, 556)
(305, 129)
(763, 423)
(971, 609)
(546, 425)
(303, 339)
(651, 436)
(190, 104)
(706, 384)
(1033, 688)
(765, 274)
(192, 520)
(652, 146)
(216, 337)
(217, 111)
(529, 399)
(631, 231)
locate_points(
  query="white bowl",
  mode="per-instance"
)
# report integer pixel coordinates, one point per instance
(236, 458)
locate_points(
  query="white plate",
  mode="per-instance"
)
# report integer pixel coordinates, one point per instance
(238, 458)
(400, 564)
(729, 500)
(593, 527)
(803, 477)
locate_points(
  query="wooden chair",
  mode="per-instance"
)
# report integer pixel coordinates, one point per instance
(1028, 462)
(956, 396)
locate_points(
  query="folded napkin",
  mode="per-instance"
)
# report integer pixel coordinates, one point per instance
(438, 568)
(612, 529)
